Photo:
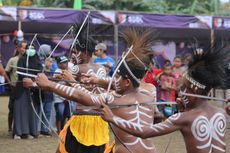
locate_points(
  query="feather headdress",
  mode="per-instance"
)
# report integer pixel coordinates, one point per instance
(207, 70)
(137, 61)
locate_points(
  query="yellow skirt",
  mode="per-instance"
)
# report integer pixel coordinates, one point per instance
(90, 130)
(87, 129)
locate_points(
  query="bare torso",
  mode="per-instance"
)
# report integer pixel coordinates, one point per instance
(205, 130)
(141, 115)
(91, 69)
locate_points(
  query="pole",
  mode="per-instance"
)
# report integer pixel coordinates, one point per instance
(116, 42)
(77, 4)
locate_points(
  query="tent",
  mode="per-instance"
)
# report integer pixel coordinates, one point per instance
(170, 28)
(51, 24)
(102, 25)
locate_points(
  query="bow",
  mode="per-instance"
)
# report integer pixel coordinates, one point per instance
(75, 39)
(60, 42)
(108, 89)
(40, 99)
(27, 68)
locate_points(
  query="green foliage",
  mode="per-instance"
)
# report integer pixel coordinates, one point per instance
(11, 2)
(189, 7)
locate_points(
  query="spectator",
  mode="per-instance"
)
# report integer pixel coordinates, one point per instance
(11, 72)
(48, 64)
(151, 77)
(47, 101)
(187, 59)
(178, 69)
(182, 49)
(1, 68)
(102, 58)
(44, 52)
(60, 102)
(26, 100)
(2, 88)
(167, 88)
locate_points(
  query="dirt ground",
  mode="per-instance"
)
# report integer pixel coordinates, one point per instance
(174, 142)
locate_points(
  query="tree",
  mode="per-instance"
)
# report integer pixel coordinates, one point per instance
(189, 7)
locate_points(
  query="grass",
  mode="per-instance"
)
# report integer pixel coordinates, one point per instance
(173, 142)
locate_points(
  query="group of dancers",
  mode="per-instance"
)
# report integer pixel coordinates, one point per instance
(126, 104)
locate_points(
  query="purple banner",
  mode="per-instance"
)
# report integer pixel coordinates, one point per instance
(64, 16)
(164, 21)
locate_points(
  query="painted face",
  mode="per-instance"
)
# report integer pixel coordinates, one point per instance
(186, 89)
(119, 84)
(79, 57)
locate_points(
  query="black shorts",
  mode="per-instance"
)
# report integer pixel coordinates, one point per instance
(73, 146)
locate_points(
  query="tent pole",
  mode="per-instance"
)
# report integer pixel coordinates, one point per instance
(116, 42)
(212, 38)
(19, 25)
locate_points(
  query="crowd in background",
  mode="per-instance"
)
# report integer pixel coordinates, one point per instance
(26, 105)
(33, 112)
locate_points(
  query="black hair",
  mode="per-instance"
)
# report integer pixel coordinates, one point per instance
(208, 66)
(178, 56)
(19, 43)
(85, 44)
(167, 65)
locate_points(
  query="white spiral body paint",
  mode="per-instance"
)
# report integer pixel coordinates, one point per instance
(75, 69)
(90, 72)
(205, 130)
(101, 73)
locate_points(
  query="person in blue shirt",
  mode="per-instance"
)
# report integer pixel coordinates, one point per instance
(102, 57)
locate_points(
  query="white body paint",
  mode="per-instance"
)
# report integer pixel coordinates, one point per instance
(136, 123)
(97, 99)
(184, 98)
(205, 130)
(101, 73)
(117, 84)
(167, 124)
